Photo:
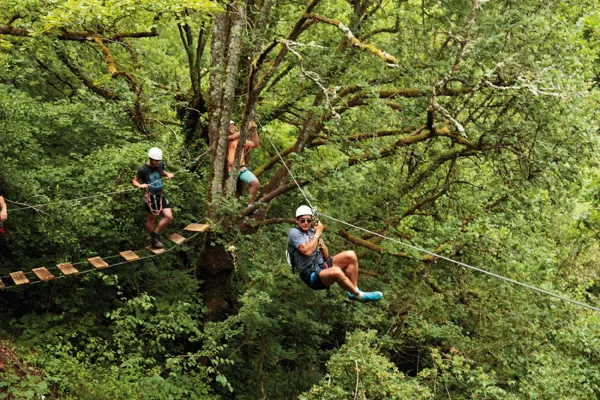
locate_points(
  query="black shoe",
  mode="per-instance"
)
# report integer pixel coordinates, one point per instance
(157, 244)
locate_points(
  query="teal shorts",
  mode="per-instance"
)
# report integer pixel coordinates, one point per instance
(246, 176)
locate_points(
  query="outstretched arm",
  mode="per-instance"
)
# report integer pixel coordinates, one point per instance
(3, 210)
(254, 131)
(136, 183)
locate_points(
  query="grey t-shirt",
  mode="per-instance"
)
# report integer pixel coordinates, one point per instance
(296, 238)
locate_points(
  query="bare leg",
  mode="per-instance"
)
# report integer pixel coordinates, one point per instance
(150, 218)
(253, 190)
(167, 217)
(347, 262)
(332, 275)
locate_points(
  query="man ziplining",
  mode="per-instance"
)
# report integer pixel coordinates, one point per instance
(316, 268)
(149, 177)
(243, 173)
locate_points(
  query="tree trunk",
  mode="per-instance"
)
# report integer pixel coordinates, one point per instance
(215, 268)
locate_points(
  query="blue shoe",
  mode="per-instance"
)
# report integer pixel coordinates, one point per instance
(371, 296)
(352, 296)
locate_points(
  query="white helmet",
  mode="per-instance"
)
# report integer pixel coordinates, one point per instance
(231, 122)
(155, 153)
(303, 210)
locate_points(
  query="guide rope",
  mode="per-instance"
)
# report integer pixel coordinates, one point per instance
(107, 194)
(531, 287)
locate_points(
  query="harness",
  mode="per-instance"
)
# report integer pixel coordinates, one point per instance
(148, 199)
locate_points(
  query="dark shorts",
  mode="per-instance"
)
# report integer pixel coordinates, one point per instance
(155, 201)
(315, 281)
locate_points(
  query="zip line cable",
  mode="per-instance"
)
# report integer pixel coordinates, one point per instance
(285, 165)
(531, 287)
(463, 264)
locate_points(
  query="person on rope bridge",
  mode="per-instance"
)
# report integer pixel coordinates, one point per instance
(244, 173)
(3, 211)
(149, 177)
(316, 268)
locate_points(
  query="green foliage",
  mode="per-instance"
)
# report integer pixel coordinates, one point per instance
(358, 370)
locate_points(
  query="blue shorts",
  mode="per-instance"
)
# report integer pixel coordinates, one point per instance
(246, 176)
(315, 282)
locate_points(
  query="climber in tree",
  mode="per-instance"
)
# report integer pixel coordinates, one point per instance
(243, 174)
(309, 254)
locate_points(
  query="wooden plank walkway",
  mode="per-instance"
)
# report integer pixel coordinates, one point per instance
(19, 278)
(67, 269)
(155, 250)
(177, 238)
(197, 228)
(43, 274)
(98, 263)
(129, 256)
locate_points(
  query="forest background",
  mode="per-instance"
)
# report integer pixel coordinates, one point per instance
(467, 128)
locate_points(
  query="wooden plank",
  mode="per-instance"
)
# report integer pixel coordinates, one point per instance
(177, 238)
(129, 256)
(2, 285)
(197, 228)
(43, 274)
(98, 262)
(67, 269)
(19, 278)
(155, 250)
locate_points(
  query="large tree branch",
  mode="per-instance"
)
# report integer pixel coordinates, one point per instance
(320, 142)
(137, 113)
(273, 160)
(361, 99)
(415, 137)
(281, 190)
(11, 30)
(106, 93)
(122, 35)
(391, 60)
(366, 136)
(422, 202)
(81, 36)
(436, 163)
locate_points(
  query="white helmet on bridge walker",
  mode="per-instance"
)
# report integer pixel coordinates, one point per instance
(155, 153)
